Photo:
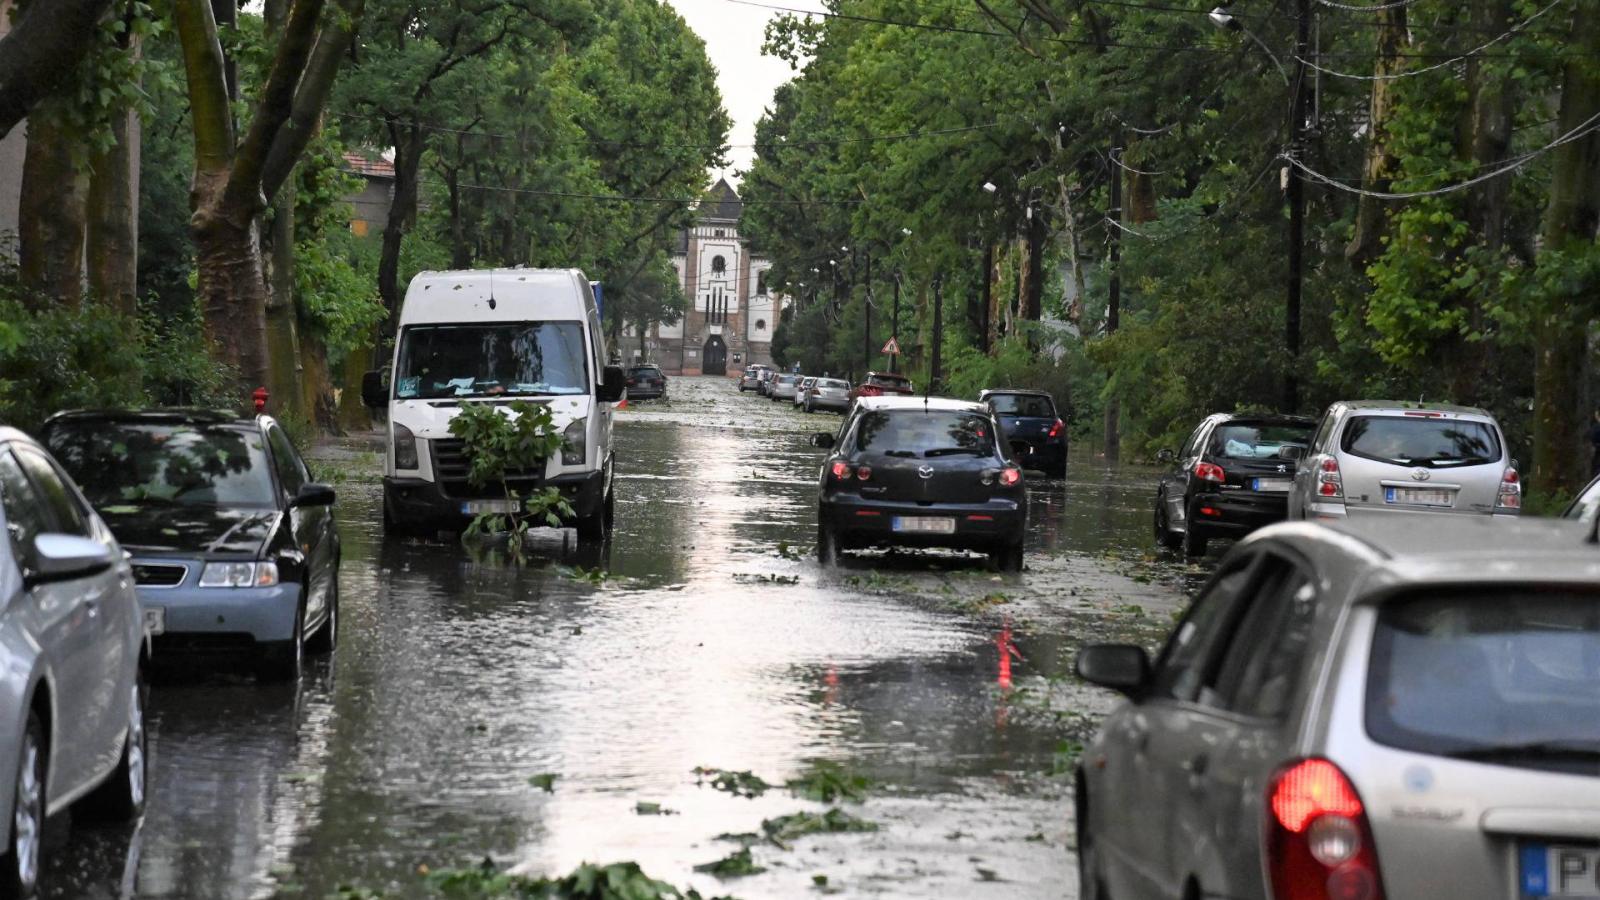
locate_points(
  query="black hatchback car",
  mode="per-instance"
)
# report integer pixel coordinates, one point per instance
(646, 383)
(921, 472)
(234, 546)
(1232, 476)
(1034, 427)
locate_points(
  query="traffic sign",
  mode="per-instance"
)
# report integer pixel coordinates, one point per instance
(892, 348)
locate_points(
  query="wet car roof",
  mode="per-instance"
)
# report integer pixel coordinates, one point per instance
(169, 414)
(940, 404)
(1401, 405)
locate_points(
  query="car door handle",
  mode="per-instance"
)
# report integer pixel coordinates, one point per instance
(1196, 767)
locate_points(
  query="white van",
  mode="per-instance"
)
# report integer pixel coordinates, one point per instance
(495, 336)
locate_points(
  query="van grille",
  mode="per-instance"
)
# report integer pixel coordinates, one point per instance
(450, 465)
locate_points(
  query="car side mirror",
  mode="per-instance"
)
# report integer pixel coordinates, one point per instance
(1124, 668)
(373, 390)
(823, 440)
(1166, 456)
(63, 557)
(1292, 452)
(613, 383)
(314, 493)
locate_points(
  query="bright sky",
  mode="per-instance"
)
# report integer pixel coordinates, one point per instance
(733, 34)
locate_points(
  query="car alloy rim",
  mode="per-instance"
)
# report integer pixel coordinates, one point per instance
(136, 748)
(26, 821)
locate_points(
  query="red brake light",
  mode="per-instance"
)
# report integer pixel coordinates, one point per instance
(1319, 843)
(871, 390)
(1055, 430)
(1510, 494)
(1329, 484)
(841, 470)
(864, 473)
(1426, 415)
(1510, 477)
(1010, 476)
(1210, 472)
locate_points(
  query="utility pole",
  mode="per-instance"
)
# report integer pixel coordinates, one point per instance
(1113, 421)
(866, 328)
(1296, 189)
(894, 324)
(936, 376)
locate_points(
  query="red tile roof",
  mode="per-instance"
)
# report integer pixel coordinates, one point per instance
(371, 168)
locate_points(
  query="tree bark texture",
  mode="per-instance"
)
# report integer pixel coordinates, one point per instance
(112, 237)
(407, 139)
(51, 216)
(284, 379)
(1572, 221)
(42, 51)
(1381, 162)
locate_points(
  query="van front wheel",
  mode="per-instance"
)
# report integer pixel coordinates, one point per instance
(596, 526)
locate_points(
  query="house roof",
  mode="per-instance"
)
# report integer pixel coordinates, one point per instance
(722, 203)
(369, 168)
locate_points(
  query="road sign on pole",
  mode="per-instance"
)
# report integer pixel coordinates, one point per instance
(892, 348)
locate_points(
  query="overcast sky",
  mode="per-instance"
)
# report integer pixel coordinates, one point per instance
(733, 35)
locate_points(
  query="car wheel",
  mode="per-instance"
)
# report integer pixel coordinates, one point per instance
(827, 545)
(595, 527)
(1007, 558)
(283, 663)
(1165, 536)
(121, 797)
(19, 868)
(327, 637)
(1091, 881)
(1193, 545)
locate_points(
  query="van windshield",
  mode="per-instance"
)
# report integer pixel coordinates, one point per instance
(496, 359)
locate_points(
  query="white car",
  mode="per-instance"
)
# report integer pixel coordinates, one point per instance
(72, 650)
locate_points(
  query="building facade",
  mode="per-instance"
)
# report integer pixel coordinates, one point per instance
(731, 313)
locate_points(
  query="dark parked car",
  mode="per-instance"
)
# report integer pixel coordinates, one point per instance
(646, 383)
(1232, 476)
(234, 547)
(882, 384)
(920, 472)
(1034, 427)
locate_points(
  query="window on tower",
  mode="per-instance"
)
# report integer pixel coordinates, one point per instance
(719, 266)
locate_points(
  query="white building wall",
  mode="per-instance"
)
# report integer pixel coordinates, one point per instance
(675, 331)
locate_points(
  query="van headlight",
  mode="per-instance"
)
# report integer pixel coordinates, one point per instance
(239, 574)
(575, 443)
(405, 448)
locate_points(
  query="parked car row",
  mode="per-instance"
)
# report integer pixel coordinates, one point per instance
(131, 536)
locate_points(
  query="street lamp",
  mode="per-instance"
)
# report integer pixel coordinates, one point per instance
(990, 187)
(1225, 20)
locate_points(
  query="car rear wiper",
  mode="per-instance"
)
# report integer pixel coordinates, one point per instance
(952, 451)
(903, 454)
(1529, 749)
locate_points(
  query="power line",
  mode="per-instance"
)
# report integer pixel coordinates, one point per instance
(1515, 29)
(1354, 7)
(620, 198)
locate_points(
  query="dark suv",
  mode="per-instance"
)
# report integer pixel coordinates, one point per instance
(921, 472)
(646, 383)
(234, 546)
(1232, 476)
(1033, 426)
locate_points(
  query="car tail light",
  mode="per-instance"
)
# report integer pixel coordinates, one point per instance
(1010, 475)
(1510, 495)
(864, 473)
(1055, 430)
(1318, 841)
(1210, 472)
(841, 470)
(871, 390)
(1329, 484)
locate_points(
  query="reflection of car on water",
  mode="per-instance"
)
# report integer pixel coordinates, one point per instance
(920, 472)
(72, 695)
(234, 545)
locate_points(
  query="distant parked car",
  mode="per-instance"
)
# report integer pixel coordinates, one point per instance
(827, 393)
(1365, 708)
(1232, 476)
(751, 379)
(646, 382)
(802, 388)
(910, 471)
(1376, 457)
(880, 384)
(784, 387)
(234, 546)
(1034, 427)
(72, 654)
(1586, 504)
(767, 378)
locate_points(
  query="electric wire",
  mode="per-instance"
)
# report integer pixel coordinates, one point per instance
(620, 198)
(1514, 30)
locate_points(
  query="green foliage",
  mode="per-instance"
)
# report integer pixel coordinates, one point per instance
(786, 829)
(499, 441)
(740, 784)
(618, 881)
(827, 782)
(735, 865)
(544, 781)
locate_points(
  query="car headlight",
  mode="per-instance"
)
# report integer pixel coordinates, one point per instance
(405, 448)
(575, 443)
(239, 574)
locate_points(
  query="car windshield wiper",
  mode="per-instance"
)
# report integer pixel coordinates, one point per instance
(952, 451)
(1529, 750)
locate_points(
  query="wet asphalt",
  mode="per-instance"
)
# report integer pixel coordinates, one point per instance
(703, 635)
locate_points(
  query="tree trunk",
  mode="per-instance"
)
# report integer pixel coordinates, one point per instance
(42, 51)
(407, 141)
(1381, 162)
(460, 249)
(283, 333)
(1560, 404)
(51, 216)
(113, 220)
(1033, 293)
(232, 283)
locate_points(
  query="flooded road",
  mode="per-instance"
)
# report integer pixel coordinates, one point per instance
(704, 635)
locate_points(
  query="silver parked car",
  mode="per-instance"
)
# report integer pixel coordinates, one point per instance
(784, 387)
(800, 389)
(827, 393)
(1376, 457)
(1586, 505)
(71, 654)
(1365, 709)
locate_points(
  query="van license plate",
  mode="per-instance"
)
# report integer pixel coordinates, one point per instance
(479, 507)
(1271, 485)
(155, 620)
(1419, 496)
(1550, 870)
(925, 524)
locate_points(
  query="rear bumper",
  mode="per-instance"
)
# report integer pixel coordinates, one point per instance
(419, 501)
(1235, 514)
(1042, 454)
(647, 392)
(978, 526)
(1326, 510)
(840, 403)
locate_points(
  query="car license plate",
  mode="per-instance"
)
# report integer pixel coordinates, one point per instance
(155, 620)
(1270, 484)
(925, 524)
(1419, 496)
(478, 507)
(1551, 870)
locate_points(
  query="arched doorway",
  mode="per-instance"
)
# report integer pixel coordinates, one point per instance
(716, 356)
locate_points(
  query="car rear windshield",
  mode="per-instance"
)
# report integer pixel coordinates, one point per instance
(1419, 441)
(915, 432)
(788, 379)
(891, 381)
(1029, 406)
(171, 464)
(1257, 440)
(833, 383)
(1505, 675)
(644, 370)
(502, 358)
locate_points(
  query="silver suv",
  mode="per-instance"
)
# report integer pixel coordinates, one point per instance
(1367, 709)
(1380, 456)
(71, 643)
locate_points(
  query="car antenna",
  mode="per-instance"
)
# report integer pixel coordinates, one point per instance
(491, 287)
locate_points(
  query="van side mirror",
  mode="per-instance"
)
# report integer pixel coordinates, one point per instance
(613, 384)
(373, 391)
(823, 440)
(1124, 668)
